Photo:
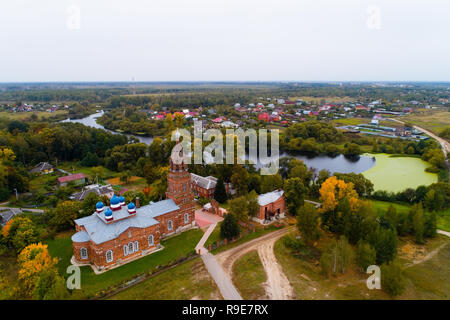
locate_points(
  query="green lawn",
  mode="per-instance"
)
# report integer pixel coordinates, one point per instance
(249, 276)
(187, 281)
(91, 283)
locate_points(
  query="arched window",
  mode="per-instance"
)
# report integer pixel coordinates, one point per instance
(83, 253)
(186, 217)
(169, 225)
(109, 256)
(125, 250)
(150, 240)
(136, 246)
(130, 248)
(184, 186)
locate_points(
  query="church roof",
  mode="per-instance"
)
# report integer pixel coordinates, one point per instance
(266, 198)
(204, 182)
(99, 231)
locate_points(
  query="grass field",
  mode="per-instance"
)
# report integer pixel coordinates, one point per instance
(423, 281)
(175, 247)
(249, 276)
(188, 281)
(26, 115)
(433, 120)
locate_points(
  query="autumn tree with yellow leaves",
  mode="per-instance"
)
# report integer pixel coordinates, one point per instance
(33, 261)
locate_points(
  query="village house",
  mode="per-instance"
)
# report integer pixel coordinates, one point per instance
(77, 179)
(42, 168)
(94, 188)
(122, 232)
(271, 206)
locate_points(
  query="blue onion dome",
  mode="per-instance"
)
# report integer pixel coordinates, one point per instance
(131, 206)
(99, 205)
(108, 212)
(115, 200)
(122, 199)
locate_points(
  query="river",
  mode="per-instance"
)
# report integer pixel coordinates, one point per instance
(333, 164)
(91, 121)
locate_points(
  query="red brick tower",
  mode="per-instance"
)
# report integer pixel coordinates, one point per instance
(179, 189)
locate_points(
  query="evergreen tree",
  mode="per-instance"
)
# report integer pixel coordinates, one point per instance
(229, 227)
(220, 193)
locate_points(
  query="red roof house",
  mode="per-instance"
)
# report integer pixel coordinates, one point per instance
(264, 117)
(78, 178)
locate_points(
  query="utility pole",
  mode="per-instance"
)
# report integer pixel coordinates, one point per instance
(17, 195)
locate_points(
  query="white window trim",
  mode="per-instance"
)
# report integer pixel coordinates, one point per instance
(112, 256)
(186, 217)
(81, 253)
(152, 242)
(136, 246)
(170, 225)
(130, 248)
(125, 250)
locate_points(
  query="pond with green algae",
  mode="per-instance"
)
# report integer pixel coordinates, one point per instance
(399, 173)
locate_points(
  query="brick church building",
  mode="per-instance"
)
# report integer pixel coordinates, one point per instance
(122, 232)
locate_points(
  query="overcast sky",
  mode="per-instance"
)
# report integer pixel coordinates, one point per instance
(224, 40)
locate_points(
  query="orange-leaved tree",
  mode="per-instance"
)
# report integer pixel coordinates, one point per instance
(333, 190)
(33, 260)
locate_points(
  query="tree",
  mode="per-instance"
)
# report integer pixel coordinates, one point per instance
(220, 193)
(308, 223)
(352, 150)
(362, 185)
(229, 228)
(417, 219)
(384, 241)
(20, 232)
(252, 204)
(365, 255)
(33, 261)
(333, 190)
(90, 160)
(337, 257)
(88, 204)
(50, 286)
(125, 176)
(270, 183)
(64, 214)
(238, 208)
(430, 225)
(98, 172)
(294, 191)
(392, 278)
(392, 216)
(239, 180)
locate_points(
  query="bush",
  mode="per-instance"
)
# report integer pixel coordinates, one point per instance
(392, 278)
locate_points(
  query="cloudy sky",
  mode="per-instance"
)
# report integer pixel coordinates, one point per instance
(224, 40)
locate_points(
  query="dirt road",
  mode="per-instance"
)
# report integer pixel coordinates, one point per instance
(277, 285)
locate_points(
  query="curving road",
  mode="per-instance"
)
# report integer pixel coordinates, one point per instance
(277, 285)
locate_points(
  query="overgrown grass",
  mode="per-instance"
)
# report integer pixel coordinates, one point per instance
(175, 247)
(249, 276)
(187, 281)
(259, 231)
